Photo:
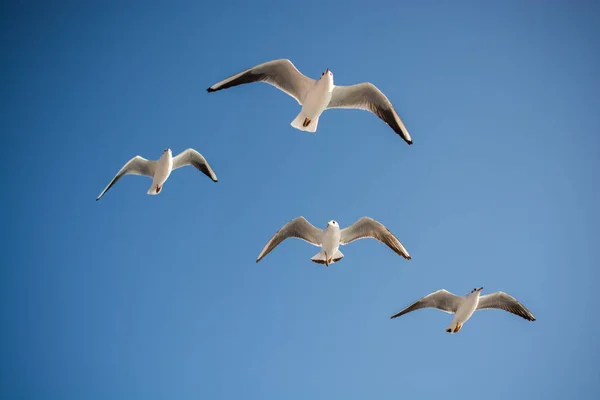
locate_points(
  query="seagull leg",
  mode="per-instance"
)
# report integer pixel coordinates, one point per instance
(158, 189)
(306, 122)
(458, 326)
(326, 259)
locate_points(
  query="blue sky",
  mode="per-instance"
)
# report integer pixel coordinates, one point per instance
(159, 297)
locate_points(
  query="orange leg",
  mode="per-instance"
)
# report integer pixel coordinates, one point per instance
(458, 326)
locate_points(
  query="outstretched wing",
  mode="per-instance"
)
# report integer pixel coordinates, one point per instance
(280, 73)
(506, 302)
(369, 228)
(442, 300)
(298, 228)
(136, 166)
(192, 157)
(366, 96)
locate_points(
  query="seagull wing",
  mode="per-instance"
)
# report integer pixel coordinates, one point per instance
(366, 96)
(369, 228)
(442, 300)
(298, 228)
(136, 166)
(505, 302)
(192, 157)
(280, 73)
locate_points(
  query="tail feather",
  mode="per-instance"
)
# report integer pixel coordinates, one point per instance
(320, 258)
(154, 189)
(305, 124)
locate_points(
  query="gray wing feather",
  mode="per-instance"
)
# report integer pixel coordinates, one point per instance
(369, 228)
(136, 166)
(506, 302)
(298, 228)
(280, 73)
(366, 96)
(192, 157)
(442, 300)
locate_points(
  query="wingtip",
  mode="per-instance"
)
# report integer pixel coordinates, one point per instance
(210, 90)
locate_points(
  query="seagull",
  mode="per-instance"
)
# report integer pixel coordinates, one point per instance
(159, 170)
(316, 96)
(463, 307)
(330, 238)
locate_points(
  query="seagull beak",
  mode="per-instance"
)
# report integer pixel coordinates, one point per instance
(479, 290)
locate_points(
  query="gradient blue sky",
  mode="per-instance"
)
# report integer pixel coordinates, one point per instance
(159, 297)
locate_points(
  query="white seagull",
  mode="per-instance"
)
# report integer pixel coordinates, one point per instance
(318, 96)
(159, 170)
(463, 307)
(330, 238)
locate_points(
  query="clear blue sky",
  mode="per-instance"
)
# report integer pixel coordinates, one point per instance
(159, 297)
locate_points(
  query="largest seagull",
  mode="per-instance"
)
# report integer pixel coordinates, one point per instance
(316, 96)
(332, 237)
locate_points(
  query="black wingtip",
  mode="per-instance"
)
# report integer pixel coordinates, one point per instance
(210, 89)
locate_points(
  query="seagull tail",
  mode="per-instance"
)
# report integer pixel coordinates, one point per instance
(320, 257)
(305, 124)
(154, 189)
(454, 327)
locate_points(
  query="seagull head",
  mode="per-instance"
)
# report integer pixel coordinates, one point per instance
(327, 74)
(332, 223)
(167, 150)
(476, 290)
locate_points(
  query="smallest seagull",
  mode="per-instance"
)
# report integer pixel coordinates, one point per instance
(330, 238)
(463, 307)
(159, 170)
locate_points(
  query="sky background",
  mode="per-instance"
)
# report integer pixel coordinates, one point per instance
(159, 297)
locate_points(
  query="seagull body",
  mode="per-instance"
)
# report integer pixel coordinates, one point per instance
(332, 237)
(316, 96)
(463, 307)
(160, 170)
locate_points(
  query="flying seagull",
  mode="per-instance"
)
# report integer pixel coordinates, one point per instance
(330, 238)
(463, 307)
(316, 96)
(159, 170)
